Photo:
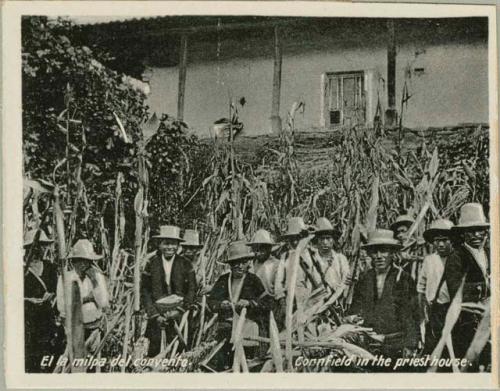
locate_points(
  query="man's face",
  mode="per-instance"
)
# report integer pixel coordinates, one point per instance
(442, 244)
(81, 265)
(190, 252)
(238, 269)
(168, 247)
(262, 252)
(476, 238)
(401, 232)
(381, 258)
(324, 242)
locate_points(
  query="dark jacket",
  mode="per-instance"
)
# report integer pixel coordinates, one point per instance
(40, 327)
(154, 286)
(252, 290)
(40, 318)
(461, 262)
(393, 312)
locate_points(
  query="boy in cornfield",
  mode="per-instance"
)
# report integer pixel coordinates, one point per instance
(93, 290)
(232, 292)
(331, 267)
(433, 296)
(383, 298)
(191, 247)
(265, 265)
(42, 334)
(467, 272)
(410, 258)
(167, 275)
(306, 282)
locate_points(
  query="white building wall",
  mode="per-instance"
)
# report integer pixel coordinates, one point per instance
(453, 88)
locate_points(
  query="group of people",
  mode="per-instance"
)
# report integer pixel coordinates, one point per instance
(388, 288)
(45, 307)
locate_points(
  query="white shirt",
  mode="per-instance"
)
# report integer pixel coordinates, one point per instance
(94, 300)
(380, 279)
(283, 276)
(167, 267)
(266, 271)
(430, 277)
(336, 270)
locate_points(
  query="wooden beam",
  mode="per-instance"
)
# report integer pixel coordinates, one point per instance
(202, 29)
(391, 64)
(278, 59)
(391, 115)
(182, 77)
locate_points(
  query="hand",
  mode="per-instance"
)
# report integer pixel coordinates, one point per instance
(48, 296)
(354, 319)
(206, 289)
(162, 321)
(34, 300)
(349, 280)
(424, 313)
(408, 353)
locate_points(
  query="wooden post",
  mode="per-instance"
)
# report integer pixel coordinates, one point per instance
(275, 108)
(391, 113)
(182, 78)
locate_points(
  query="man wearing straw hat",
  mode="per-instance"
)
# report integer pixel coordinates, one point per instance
(469, 262)
(265, 264)
(40, 282)
(433, 296)
(191, 247)
(306, 280)
(92, 283)
(167, 274)
(401, 226)
(331, 267)
(233, 291)
(408, 261)
(385, 302)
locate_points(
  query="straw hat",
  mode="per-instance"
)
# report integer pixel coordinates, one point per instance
(262, 237)
(323, 226)
(84, 249)
(382, 237)
(296, 226)
(238, 251)
(471, 216)
(402, 220)
(191, 239)
(169, 232)
(30, 237)
(440, 227)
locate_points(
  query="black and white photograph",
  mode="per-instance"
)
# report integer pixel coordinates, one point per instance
(267, 192)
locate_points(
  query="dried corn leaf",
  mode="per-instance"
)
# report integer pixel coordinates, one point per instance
(275, 344)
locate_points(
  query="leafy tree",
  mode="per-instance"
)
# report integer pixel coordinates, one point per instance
(81, 120)
(177, 167)
(82, 125)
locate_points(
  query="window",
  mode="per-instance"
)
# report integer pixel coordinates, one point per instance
(345, 101)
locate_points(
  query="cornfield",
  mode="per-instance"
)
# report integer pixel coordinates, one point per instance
(353, 177)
